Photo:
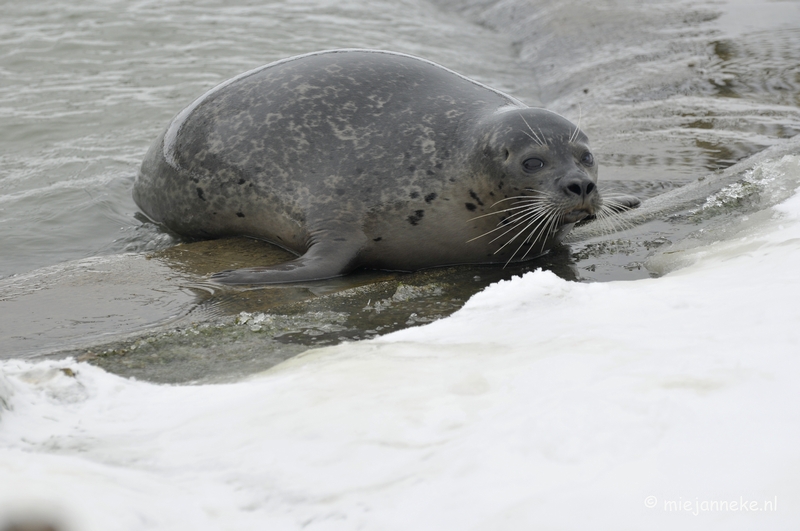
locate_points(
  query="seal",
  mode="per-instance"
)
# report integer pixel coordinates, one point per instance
(365, 158)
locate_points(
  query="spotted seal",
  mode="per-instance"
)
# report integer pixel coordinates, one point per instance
(364, 158)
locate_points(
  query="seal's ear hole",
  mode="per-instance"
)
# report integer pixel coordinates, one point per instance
(506, 153)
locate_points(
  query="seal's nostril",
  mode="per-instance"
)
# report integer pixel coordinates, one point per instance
(574, 188)
(589, 188)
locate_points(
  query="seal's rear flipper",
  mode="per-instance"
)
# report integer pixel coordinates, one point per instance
(323, 260)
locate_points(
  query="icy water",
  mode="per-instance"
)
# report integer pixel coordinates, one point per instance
(668, 92)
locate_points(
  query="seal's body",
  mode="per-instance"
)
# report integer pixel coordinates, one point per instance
(358, 158)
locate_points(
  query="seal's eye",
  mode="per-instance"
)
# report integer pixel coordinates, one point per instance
(532, 165)
(587, 159)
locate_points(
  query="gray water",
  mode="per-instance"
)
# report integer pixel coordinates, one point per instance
(667, 92)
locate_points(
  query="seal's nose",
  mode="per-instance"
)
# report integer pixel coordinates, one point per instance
(578, 186)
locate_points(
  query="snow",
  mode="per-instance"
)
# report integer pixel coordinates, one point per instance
(542, 404)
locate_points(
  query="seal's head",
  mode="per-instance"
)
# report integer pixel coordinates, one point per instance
(544, 179)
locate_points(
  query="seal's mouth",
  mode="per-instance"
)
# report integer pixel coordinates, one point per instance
(575, 216)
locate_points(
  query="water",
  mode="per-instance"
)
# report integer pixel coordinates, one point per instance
(667, 91)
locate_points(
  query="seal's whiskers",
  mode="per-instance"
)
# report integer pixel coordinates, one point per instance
(532, 218)
(539, 218)
(525, 208)
(574, 134)
(554, 222)
(521, 217)
(532, 138)
(539, 230)
(609, 216)
(538, 139)
(524, 204)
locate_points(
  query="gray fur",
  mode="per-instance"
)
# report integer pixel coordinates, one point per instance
(358, 158)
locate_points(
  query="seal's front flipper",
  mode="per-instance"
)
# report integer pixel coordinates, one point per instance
(621, 203)
(323, 260)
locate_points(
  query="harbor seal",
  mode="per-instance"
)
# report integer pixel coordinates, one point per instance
(365, 158)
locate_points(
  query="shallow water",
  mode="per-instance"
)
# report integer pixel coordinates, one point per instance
(668, 92)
